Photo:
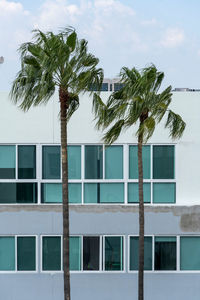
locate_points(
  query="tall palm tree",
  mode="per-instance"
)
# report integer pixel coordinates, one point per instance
(59, 61)
(139, 102)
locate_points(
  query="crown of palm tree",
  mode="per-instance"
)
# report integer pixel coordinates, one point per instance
(52, 60)
(138, 100)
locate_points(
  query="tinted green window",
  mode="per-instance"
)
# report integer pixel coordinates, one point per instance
(51, 192)
(75, 192)
(75, 253)
(133, 192)
(90, 253)
(134, 253)
(164, 193)
(26, 162)
(165, 253)
(133, 162)
(114, 162)
(111, 193)
(104, 193)
(163, 162)
(51, 162)
(26, 254)
(190, 253)
(18, 192)
(92, 193)
(7, 162)
(74, 162)
(93, 162)
(113, 253)
(51, 253)
(7, 253)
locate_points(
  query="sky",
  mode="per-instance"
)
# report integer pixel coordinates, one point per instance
(131, 33)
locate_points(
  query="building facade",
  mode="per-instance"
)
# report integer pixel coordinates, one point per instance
(103, 194)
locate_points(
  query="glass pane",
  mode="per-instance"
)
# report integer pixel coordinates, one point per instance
(7, 253)
(165, 253)
(91, 192)
(7, 162)
(114, 162)
(133, 192)
(26, 254)
(27, 192)
(26, 162)
(51, 162)
(51, 192)
(75, 253)
(74, 162)
(75, 191)
(18, 192)
(51, 253)
(164, 193)
(163, 162)
(113, 253)
(133, 162)
(93, 162)
(190, 253)
(90, 253)
(111, 193)
(134, 253)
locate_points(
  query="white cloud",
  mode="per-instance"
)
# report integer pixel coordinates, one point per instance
(173, 37)
(8, 8)
(150, 22)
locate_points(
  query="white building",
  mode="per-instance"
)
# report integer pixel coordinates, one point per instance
(103, 210)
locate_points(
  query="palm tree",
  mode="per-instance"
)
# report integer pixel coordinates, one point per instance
(59, 61)
(138, 103)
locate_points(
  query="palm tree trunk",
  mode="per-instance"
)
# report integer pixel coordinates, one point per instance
(63, 112)
(141, 222)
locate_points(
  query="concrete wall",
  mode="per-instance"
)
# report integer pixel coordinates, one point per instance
(99, 220)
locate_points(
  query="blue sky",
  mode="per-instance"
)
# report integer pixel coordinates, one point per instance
(121, 33)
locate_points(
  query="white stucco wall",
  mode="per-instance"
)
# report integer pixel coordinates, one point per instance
(41, 125)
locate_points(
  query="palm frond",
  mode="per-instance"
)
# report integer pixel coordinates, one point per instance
(175, 124)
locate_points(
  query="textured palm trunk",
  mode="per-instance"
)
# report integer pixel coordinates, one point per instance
(141, 223)
(63, 112)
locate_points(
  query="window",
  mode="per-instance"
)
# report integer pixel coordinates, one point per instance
(165, 253)
(133, 162)
(134, 253)
(114, 162)
(75, 253)
(104, 193)
(118, 86)
(159, 184)
(26, 254)
(163, 162)
(51, 253)
(113, 253)
(74, 162)
(26, 162)
(93, 162)
(190, 253)
(91, 254)
(20, 249)
(164, 193)
(7, 253)
(52, 192)
(51, 162)
(133, 192)
(7, 162)
(18, 192)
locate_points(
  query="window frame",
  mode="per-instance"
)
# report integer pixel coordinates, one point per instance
(36, 255)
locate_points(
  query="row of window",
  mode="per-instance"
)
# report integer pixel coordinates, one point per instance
(100, 253)
(86, 193)
(99, 162)
(108, 87)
